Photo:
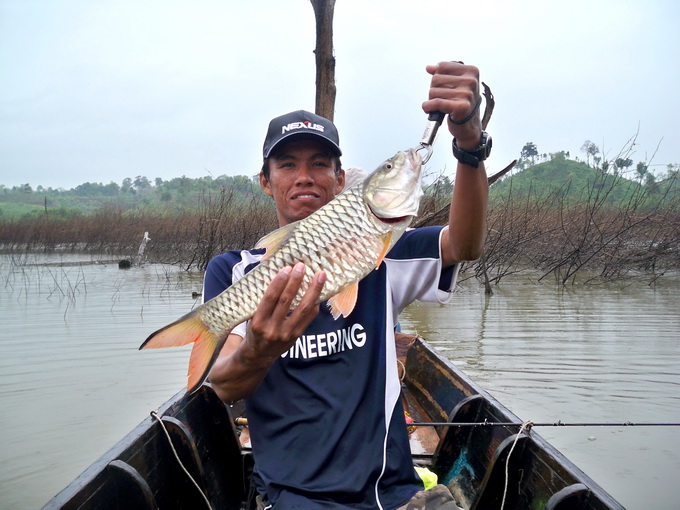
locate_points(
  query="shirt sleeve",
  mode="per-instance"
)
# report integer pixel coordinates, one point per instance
(224, 270)
(415, 269)
(219, 275)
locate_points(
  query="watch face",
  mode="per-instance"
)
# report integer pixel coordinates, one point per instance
(487, 145)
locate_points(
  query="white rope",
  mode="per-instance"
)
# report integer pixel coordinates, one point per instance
(403, 370)
(167, 434)
(525, 426)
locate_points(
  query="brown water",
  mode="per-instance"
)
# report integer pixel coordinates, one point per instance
(72, 381)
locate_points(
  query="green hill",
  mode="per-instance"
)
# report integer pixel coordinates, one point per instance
(574, 182)
(563, 180)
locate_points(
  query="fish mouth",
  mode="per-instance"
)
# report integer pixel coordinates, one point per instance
(396, 219)
(392, 220)
(414, 158)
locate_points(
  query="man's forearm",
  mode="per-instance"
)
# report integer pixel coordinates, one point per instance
(455, 91)
(467, 216)
(238, 375)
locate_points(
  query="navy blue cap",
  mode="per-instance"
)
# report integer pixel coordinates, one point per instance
(298, 123)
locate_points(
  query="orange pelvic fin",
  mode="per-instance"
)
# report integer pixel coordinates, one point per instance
(344, 302)
(387, 240)
(184, 331)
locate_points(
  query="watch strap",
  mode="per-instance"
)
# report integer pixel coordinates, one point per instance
(475, 156)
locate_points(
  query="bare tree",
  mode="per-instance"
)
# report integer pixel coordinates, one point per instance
(325, 60)
(590, 149)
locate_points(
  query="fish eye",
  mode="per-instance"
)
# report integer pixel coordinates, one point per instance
(388, 166)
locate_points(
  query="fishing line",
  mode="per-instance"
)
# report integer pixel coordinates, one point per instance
(167, 434)
(534, 424)
(243, 422)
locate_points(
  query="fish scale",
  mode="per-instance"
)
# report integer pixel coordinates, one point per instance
(354, 242)
(347, 238)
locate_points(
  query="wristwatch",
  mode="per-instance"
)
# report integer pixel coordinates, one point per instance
(473, 157)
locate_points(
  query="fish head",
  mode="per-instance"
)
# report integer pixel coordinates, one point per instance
(393, 190)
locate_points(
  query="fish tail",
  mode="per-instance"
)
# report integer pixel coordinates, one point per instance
(188, 329)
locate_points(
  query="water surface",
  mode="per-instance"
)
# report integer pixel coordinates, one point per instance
(73, 383)
(581, 354)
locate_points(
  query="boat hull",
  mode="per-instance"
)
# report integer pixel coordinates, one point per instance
(142, 470)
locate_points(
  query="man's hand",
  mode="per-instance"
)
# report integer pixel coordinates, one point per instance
(273, 330)
(454, 90)
(274, 327)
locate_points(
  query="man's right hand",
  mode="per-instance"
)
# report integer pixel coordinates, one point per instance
(272, 331)
(274, 327)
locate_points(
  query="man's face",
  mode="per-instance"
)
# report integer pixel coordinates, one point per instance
(302, 179)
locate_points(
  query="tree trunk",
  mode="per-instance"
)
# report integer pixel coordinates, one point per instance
(325, 61)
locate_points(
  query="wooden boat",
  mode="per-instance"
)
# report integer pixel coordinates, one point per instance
(142, 471)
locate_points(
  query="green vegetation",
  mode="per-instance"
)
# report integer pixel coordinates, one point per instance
(604, 219)
(572, 179)
(567, 218)
(188, 220)
(538, 175)
(174, 196)
(575, 221)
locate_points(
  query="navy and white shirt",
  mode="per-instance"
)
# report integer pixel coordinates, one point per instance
(327, 424)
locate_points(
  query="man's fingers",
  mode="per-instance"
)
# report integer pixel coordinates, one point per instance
(291, 289)
(274, 326)
(272, 294)
(455, 90)
(310, 300)
(308, 308)
(282, 291)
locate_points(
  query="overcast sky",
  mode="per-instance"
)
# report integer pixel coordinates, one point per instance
(95, 91)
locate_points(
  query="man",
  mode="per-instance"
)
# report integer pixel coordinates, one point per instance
(322, 395)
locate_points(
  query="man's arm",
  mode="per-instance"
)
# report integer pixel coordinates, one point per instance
(243, 363)
(455, 91)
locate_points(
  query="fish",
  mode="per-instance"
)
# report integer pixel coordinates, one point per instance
(347, 239)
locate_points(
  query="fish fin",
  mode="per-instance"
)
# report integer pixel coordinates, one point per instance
(274, 239)
(343, 302)
(183, 331)
(204, 353)
(387, 239)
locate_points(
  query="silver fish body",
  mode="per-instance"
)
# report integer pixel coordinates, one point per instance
(347, 238)
(340, 239)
